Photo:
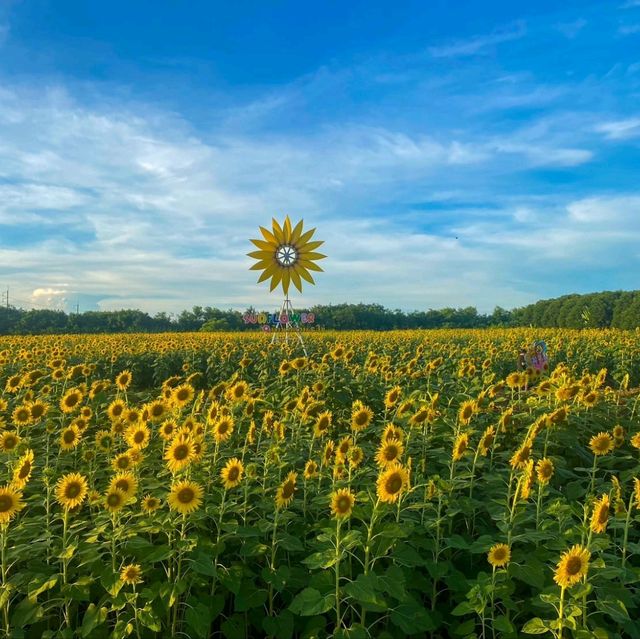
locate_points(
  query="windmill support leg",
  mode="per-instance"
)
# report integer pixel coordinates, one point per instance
(286, 327)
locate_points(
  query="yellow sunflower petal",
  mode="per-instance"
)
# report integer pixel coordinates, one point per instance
(269, 272)
(304, 274)
(278, 233)
(305, 237)
(261, 255)
(261, 265)
(310, 246)
(286, 279)
(309, 265)
(295, 278)
(269, 236)
(295, 234)
(275, 279)
(264, 246)
(287, 230)
(314, 256)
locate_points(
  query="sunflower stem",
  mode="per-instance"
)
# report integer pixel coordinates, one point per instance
(593, 475)
(626, 531)
(493, 597)
(338, 617)
(176, 610)
(5, 607)
(561, 613)
(367, 551)
(272, 565)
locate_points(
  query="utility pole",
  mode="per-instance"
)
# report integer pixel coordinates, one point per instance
(77, 308)
(5, 297)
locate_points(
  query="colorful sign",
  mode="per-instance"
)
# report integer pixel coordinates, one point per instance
(271, 320)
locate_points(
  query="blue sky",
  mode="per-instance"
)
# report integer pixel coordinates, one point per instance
(476, 153)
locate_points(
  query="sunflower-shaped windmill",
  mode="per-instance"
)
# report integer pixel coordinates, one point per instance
(285, 256)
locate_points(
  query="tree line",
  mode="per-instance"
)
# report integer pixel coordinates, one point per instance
(615, 309)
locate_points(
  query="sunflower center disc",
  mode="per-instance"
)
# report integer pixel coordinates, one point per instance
(286, 255)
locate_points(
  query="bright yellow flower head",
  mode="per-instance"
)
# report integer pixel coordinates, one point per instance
(600, 516)
(10, 503)
(286, 255)
(499, 555)
(71, 490)
(342, 502)
(286, 490)
(185, 497)
(231, 474)
(392, 482)
(601, 444)
(572, 567)
(131, 574)
(22, 470)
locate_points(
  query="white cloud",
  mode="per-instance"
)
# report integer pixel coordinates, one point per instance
(479, 44)
(145, 212)
(620, 129)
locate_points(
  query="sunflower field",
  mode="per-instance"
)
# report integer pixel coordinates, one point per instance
(386, 485)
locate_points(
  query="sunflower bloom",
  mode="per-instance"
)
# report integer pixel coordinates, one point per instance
(342, 502)
(10, 503)
(231, 474)
(114, 500)
(389, 452)
(572, 567)
(180, 454)
(310, 469)
(116, 410)
(223, 428)
(131, 574)
(600, 516)
(327, 455)
(322, 425)
(123, 380)
(238, 392)
(9, 441)
(150, 504)
(486, 441)
(71, 490)
(126, 482)
(601, 444)
(185, 497)
(121, 462)
(544, 470)
(499, 555)
(392, 397)
(22, 471)
(467, 411)
(137, 435)
(361, 416)
(70, 401)
(286, 490)
(70, 438)
(21, 415)
(391, 482)
(521, 456)
(460, 446)
(182, 395)
(355, 456)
